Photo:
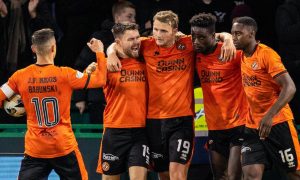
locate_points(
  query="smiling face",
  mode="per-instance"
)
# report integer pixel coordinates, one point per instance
(203, 39)
(130, 43)
(163, 34)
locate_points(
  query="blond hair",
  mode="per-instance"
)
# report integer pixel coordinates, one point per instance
(168, 17)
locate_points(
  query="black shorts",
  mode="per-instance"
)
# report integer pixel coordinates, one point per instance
(280, 148)
(170, 140)
(122, 148)
(222, 140)
(70, 166)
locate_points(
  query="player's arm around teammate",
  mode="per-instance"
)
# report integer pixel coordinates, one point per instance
(166, 158)
(124, 145)
(228, 52)
(226, 120)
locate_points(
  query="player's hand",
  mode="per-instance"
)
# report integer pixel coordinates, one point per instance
(81, 106)
(179, 35)
(113, 63)
(91, 68)
(265, 126)
(3, 9)
(95, 45)
(228, 51)
(32, 7)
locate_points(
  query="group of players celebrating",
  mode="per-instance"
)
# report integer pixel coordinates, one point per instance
(149, 118)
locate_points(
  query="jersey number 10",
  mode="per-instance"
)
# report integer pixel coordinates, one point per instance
(42, 111)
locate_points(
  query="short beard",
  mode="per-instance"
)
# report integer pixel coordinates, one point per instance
(129, 54)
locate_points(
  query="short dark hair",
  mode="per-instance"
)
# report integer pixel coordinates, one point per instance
(247, 21)
(40, 39)
(120, 28)
(119, 6)
(42, 36)
(204, 20)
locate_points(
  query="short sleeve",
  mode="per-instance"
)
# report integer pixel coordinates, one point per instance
(75, 78)
(10, 88)
(273, 63)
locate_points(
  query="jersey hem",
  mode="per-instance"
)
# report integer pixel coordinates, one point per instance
(50, 156)
(226, 128)
(125, 126)
(169, 116)
(257, 126)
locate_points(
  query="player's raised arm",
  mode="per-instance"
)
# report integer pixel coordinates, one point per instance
(113, 61)
(98, 78)
(79, 80)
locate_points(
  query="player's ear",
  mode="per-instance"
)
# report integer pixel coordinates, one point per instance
(53, 48)
(117, 18)
(175, 30)
(254, 33)
(118, 41)
(33, 48)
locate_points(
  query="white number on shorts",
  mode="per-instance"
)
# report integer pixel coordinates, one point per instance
(186, 146)
(145, 150)
(286, 156)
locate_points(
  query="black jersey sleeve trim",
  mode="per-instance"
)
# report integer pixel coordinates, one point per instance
(285, 71)
(87, 81)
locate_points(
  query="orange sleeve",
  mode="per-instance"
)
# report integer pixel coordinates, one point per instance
(272, 62)
(10, 87)
(79, 80)
(12, 82)
(98, 77)
(2, 98)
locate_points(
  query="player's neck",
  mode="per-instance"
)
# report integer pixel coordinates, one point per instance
(169, 44)
(212, 48)
(251, 48)
(122, 55)
(44, 60)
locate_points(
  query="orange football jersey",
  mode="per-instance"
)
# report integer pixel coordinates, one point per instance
(170, 74)
(225, 103)
(46, 93)
(125, 94)
(258, 73)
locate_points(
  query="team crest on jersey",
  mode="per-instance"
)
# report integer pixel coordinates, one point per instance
(105, 166)
(181, 46)
(254, 65)
(79, 74)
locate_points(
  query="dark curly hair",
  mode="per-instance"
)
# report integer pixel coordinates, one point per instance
(204, 20)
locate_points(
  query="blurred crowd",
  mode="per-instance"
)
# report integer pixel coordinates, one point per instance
(76, 21)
